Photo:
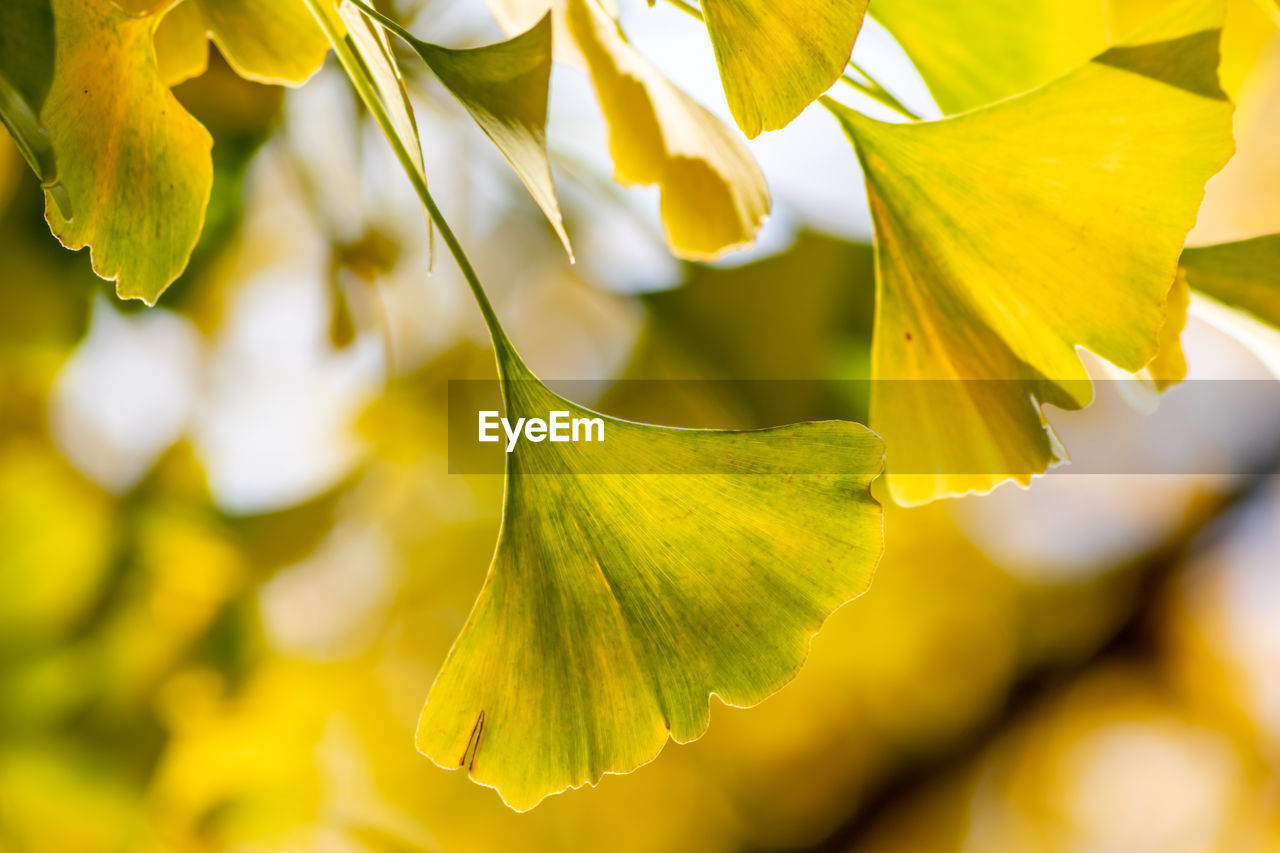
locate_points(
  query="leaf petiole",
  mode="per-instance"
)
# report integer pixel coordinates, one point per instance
(687, 8)
(877, 92)
(361, 78)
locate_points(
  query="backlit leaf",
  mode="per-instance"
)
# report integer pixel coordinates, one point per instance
(777, 56)
(972, 54)
(714, 198)
(620, 598)
(504, 87)
(1010, 235)
(135, 165)
(269, 41)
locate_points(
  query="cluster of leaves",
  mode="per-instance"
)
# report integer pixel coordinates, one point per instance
(1047, 211)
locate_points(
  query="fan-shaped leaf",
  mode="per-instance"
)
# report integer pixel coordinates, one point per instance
(135, 165)
(972, 54)
(1010, 235)
(777, 56)
(635, 577)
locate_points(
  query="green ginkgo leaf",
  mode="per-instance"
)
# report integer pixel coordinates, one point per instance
(133, 162)
(269, 41)
(1243, 275)
(636, 577)
(26, 73)
(777, 56)
(713, 196)
(504, 87)
(1010, 235)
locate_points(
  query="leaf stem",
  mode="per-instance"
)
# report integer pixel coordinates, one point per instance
(386, 22)
(361, 79)
(877, 93)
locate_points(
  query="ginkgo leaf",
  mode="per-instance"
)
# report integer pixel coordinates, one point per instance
(134, 163)
(714, 198)
(973, 54)
(504, 87)
(777, 56)
(1010, 235)
(269, 41)
(1243, 275)
(26, 73)
(635, 577)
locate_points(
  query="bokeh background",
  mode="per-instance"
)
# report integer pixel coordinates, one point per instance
(232, 557)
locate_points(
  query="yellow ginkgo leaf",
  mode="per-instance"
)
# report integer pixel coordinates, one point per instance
(1248, 29)
(269, 41)
(635, 577)
(777, 56)
(1010, 235)
(134, 163)
(972, 54)
(714, 198)
(505, 87)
